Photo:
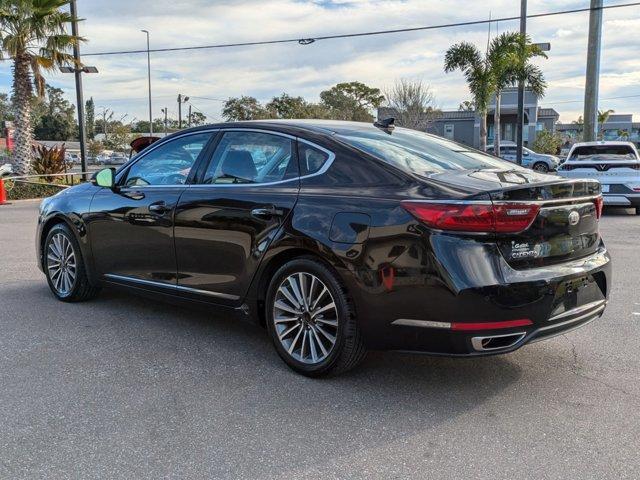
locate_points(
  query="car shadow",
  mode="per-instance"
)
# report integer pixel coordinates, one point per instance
(152, 375)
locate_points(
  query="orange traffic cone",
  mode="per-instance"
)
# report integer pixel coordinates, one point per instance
(3, 193)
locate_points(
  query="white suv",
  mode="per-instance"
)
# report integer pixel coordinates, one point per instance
(615, 164)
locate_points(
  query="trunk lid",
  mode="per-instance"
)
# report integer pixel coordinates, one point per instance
(565, 228)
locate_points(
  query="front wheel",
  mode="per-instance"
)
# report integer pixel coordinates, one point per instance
(64, 266)
(311, 320)
(541, 167)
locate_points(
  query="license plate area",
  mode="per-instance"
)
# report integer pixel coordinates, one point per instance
(576, 292)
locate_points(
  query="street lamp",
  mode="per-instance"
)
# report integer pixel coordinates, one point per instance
(149, 77)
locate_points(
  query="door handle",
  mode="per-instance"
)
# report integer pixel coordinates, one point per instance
(158, 207)
(266, 213)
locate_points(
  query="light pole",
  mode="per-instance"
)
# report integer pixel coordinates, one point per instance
(149, 77)
(77, 70)
(520, 125)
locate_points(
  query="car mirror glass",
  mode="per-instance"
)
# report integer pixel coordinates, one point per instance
(104, 178)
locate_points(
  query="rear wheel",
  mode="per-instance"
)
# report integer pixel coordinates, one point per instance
(311, 320)
(64, 266)
(637, 210)
(541, 167)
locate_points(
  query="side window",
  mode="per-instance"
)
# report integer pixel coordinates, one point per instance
(312, 159)
(168, 164)
(252, 157)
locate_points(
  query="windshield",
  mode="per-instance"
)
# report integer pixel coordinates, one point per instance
(421, 153)
(596, 153)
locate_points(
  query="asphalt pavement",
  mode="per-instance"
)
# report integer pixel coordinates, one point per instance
(126, 387)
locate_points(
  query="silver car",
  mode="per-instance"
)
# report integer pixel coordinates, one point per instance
(539, 162)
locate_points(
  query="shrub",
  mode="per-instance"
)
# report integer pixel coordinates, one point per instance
(547, 142)
(49, 161)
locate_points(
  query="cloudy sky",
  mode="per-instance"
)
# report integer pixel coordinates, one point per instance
(210, 75)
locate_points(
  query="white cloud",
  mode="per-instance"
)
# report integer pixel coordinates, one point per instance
(305, 70)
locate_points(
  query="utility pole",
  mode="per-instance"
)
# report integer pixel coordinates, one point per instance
(189, 118)
(520, 121)
(181, 99)
(164, 110)
(79, 96)
(149, 78)
(592, 82)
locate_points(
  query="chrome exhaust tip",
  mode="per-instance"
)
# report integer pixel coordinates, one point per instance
(496, 342)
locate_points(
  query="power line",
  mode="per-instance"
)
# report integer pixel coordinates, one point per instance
(309, 40)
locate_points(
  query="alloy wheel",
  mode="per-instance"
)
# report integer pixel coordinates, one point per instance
(541, 167)
(61, 264)
(305, 318)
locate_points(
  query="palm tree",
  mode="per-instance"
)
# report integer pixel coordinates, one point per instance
(466, 57)
(603, 116)
(508, 57)
(32, 33)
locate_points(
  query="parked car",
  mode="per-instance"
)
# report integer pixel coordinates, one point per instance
(6, 170)
(338, 237)
(616, 165)
(111, 159)
(539, 162)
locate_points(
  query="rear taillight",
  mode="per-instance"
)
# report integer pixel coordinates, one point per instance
(482, 217)
(599, 201)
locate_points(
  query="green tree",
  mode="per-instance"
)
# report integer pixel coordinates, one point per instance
(90, 118)
(119, 137)
(196, 119)
(58, 121)
(603, 116)
(466, 57)
(6, 109)
(352, 101)
(547, 142)
(33, 35)
(243, 108)
(509, 58)
(466, 106)
(94, 148)
(286, 106)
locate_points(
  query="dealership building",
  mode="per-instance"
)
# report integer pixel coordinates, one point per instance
(464, 126)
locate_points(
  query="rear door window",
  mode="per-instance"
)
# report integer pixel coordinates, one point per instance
(252, 157)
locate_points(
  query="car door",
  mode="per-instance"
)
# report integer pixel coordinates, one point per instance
(225, 222)
(508, 153)
(131, 226)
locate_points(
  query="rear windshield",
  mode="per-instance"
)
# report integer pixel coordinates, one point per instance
(603, 152)
(421, 153)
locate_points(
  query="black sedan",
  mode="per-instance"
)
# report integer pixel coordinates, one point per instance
(338, 237)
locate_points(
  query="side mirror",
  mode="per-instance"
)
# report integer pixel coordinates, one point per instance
(104, 178)
(525, 154)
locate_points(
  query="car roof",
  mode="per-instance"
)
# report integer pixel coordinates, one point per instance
(603, 142)
(327, 127)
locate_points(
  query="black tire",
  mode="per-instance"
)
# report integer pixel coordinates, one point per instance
(348, 349)
(80, 288)
(637, 210)
(541, 167)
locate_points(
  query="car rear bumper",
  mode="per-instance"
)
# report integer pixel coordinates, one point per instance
(425, 316)
(622, 199)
